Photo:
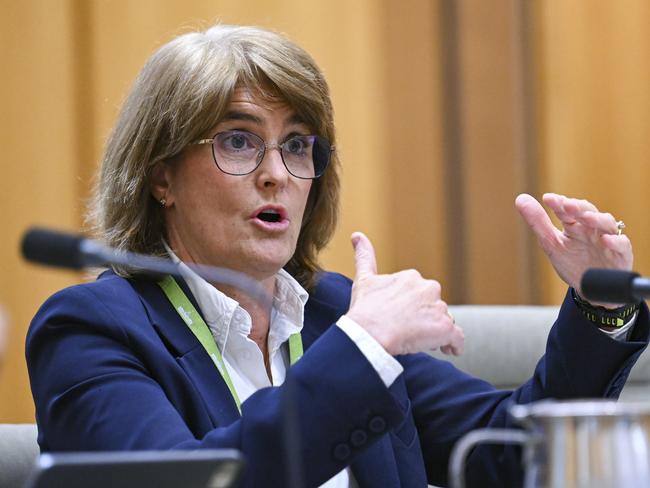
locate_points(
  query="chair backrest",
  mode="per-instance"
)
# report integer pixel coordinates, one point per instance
(18, 453)
(504, 342)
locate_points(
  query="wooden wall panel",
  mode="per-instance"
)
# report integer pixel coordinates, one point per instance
(39, 169)
(490, 166)
(415, 201)
(390, 67)
(593, 71)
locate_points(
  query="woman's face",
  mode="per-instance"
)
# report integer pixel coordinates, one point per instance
(220, 219)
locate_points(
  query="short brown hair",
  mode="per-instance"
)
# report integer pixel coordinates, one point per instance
(180, 94)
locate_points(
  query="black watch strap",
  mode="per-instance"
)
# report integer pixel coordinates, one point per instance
(605, 317)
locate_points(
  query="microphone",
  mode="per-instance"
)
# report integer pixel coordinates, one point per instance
(64, 250)
(614, 286)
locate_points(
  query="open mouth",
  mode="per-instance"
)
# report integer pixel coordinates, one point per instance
(269, 216)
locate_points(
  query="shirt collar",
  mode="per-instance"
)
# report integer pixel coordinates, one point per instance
(218, 309)
(289, 310)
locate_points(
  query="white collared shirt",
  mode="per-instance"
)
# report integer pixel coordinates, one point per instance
(230, 326)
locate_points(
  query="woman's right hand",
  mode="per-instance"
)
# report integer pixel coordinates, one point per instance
(402, 311)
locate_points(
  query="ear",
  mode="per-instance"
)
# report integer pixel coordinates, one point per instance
(160, 182)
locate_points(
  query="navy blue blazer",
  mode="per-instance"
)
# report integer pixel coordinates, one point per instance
(113, 367)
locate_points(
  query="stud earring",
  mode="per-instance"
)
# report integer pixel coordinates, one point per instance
(163, 202)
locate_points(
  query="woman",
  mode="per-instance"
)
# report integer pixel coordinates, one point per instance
(224, 154)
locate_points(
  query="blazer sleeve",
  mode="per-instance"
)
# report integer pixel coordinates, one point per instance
(101, 383)
(579, 362)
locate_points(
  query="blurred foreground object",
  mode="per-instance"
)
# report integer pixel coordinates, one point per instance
(569, 444)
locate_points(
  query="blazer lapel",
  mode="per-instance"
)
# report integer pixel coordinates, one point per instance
(189, 352)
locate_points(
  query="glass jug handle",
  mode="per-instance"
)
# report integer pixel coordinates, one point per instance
(480, 436)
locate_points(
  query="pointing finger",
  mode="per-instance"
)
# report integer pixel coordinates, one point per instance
(537, 219)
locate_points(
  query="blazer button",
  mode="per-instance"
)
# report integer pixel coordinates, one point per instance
(342, 452)
(358, 438)
(377, 425)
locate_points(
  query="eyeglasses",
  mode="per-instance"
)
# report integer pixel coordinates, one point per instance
(238, 152)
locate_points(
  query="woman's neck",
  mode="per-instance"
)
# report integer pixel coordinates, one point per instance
(260, 314)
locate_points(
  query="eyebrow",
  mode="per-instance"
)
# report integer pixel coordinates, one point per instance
(297, 119)
(235, 115)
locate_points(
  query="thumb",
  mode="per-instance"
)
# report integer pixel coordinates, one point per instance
(364, 256)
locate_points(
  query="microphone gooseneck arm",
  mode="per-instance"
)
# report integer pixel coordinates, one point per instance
(59, 249)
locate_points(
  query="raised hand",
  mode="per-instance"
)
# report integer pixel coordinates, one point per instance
(588, 239)
(402, 311)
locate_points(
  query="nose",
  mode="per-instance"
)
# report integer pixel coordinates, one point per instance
(271, 171)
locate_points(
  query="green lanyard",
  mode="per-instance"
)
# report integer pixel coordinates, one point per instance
(200, 329)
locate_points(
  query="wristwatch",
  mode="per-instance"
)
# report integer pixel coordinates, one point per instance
(605, 317)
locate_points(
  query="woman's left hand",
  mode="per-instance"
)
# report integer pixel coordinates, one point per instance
(589, 239)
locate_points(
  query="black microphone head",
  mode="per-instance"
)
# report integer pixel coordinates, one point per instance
(52, 248)
(608, 285)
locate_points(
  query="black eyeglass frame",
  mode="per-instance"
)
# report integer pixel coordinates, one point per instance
(262, 153)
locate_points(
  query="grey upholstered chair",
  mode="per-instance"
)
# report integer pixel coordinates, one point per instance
(18, 452)
(504, 342)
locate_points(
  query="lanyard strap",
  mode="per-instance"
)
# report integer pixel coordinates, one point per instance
(201, 331)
